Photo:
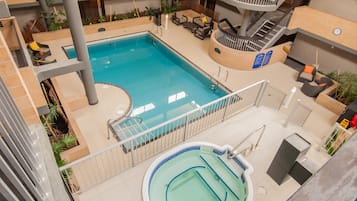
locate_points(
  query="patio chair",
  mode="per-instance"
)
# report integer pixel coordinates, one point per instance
(38, 50)
(39, 62)
(307, 74)
(203, 32)
(178, 18)
(313, 89)
(202, 21)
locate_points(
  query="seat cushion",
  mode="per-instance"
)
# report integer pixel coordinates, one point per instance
(308, 69)
(307, 76)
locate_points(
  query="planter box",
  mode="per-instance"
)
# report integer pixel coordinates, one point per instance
(90, 29)
(327, 101)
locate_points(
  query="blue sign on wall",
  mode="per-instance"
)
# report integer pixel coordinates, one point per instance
(258, 60)
(267, 57)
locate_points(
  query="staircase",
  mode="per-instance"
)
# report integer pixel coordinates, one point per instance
(256, 5)
(268, 34)
(262, 34)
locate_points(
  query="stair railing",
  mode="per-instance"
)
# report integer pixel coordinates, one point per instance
(234, 152)
(110, 122)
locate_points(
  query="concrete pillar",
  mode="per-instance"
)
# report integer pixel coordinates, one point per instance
(45, 9)
(44, 5)
(75, 24)
(245, 23)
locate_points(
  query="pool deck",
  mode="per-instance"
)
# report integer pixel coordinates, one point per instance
(127, 186)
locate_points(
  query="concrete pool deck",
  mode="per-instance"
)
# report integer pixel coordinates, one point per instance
(127, 185)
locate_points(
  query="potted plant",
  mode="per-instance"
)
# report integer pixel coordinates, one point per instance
(346, 92)
(167, 6)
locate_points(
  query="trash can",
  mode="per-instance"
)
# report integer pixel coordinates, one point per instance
(158, 19)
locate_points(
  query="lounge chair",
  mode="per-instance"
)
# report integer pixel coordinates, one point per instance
(43, 62)
(204, 32)
(312, 89)
(38, 50)
(178, 18)
(307, 74)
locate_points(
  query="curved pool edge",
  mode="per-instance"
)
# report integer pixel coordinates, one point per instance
(172, 152)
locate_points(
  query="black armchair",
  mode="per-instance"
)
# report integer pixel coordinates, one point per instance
(312, 89)
(203, 32)
(202, 21)
(307, 74)
(178, 19)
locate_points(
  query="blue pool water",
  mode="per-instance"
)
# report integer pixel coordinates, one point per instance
(162, 85)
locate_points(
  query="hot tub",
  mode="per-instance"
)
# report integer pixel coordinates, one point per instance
(198, 171)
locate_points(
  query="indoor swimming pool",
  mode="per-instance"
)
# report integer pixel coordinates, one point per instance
(161, 83)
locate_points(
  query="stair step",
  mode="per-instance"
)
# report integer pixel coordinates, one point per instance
(270, 22)
(259, 34)
(225, 175)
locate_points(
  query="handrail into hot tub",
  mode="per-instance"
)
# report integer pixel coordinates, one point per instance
(235, 152)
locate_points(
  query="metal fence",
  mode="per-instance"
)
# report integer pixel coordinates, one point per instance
(339, 135)
(100, 166)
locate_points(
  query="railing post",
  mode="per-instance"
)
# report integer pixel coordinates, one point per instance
(260, 94)
(228, 100)
(132, 153)
(186, 128)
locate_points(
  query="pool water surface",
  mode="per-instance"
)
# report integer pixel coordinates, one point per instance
(161, 83)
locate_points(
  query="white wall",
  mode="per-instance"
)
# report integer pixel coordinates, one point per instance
(125, 6)
(342, 8)
(329, 58)
(25, 15)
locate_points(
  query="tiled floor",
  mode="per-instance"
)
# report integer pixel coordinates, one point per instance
(127, 186)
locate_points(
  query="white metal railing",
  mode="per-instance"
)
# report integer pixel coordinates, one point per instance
(235, 151)
(102, 165)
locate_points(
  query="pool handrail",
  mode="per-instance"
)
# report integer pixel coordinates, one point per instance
(235, 152)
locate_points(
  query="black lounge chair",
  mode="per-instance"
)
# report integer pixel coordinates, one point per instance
(178, 19)
(306, 74)
(190, 26)
(313, 89)
(204, 32)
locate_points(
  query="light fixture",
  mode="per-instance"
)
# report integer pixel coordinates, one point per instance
(337, 31)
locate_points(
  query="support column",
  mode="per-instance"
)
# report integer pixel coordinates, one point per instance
(45, 9)
(75, 24)
(245, 23)
(44, 5)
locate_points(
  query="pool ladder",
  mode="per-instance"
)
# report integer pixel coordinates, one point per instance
(219, 73)
(110, 123)
(234, 152)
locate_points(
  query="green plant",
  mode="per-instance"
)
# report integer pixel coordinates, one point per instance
(57, 148)
(101, 19)
(88, 20)
(123, 17)
(69, 140)
(150, 12)
(115, 17)
(56, 19)
(167, 8)
(346, 92)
